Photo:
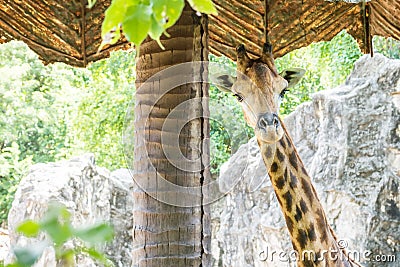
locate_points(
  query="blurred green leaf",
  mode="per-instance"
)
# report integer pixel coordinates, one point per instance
(98, 256)
(95, 234)
(156, 30)
(56, 223)
(67, 256)
(26, 257)
(29, 228)
(115, 14)
(203, 6)
(167, 11)
(140, 18)
(137, 22)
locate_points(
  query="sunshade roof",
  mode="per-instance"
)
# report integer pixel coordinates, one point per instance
(67, 31)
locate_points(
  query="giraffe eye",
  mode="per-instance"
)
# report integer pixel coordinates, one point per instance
(284, 91)
(238, 97)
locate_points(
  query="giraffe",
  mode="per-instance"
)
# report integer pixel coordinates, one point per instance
(259, 89)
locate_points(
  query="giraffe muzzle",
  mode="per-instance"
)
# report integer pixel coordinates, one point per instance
(268, 128)
(268, 120)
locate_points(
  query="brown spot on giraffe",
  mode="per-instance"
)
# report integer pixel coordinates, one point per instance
(288, 201)
(282, 143)
(280, 155)
(299, 214)
(289, 142)
(311, 233)
(302, 238)
(292, 180)
(293, 159)
(280, 182)
(274, 167)
(289, 224)
(303, 206)
(307, 189)
(307, 263)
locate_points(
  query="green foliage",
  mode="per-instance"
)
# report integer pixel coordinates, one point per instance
(52, 112)
(56, 223)
(12, 170)
(108, 89)
(34, 115)
(139, 18)
(327, 65)
(387, 46)
(29, 100)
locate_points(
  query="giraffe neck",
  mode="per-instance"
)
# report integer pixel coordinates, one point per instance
(303, 212)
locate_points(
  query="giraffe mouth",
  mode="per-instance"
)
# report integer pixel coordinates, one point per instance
(271, 134)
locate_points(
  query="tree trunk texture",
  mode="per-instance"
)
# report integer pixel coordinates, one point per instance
(163, 234)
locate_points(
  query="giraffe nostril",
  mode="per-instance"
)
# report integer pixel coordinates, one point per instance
(262, 123)
(276, 120)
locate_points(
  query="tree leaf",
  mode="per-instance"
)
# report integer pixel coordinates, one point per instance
(156, 30)
(115, 15)
(57, 223)
(95, 234)
(167, 11)
(67, 256)
(203, 6)
(137, 23)
(29, 228)
(26, 257)
(98, 256)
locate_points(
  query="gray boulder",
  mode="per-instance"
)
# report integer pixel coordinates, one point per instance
(92, 194)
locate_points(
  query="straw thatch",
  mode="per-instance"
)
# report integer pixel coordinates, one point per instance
(67, 31)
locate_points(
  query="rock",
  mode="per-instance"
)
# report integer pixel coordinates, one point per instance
(4, 244)
(92, 194)
(349, 141)
(121, 203)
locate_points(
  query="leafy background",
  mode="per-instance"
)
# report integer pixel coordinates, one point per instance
(53, 112)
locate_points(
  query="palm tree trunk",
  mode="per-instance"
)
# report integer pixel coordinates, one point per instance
(165, 234)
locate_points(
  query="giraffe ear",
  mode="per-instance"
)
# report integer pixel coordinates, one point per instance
(292, 75)
(223, 82)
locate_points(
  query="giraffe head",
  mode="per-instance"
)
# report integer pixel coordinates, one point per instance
(260, 88)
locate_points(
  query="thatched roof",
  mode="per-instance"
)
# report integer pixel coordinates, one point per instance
(297, 23)
(66, 31)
